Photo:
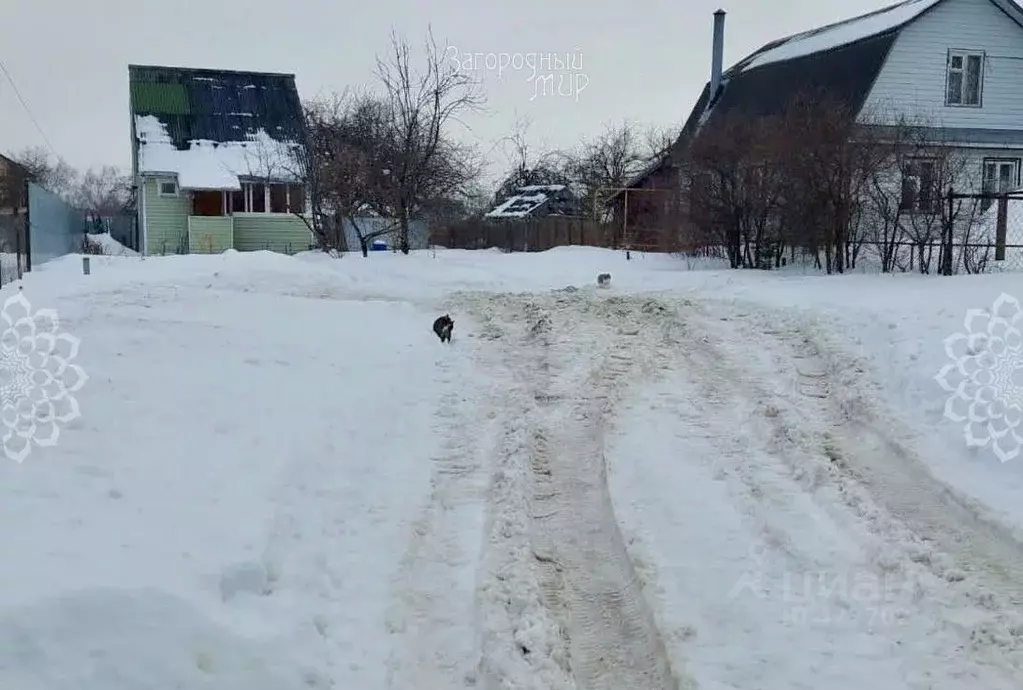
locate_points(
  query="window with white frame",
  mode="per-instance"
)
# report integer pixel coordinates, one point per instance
(167, 187)
(921, 192)
(259, 197)
(965, 80)
(1001, 176)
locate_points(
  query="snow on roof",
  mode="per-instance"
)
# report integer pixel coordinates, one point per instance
(518, 206)
(839, 34)
(214, 165)
(532, 188)
(529, 198)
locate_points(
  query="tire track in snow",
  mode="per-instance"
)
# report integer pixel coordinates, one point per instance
(844, 438)
(569, 363)
(433, 617)
(521, 642)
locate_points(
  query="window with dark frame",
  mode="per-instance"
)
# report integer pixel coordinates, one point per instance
(964, 84)
(920, 191)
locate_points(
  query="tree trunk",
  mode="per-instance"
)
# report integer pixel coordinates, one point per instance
(403, 235)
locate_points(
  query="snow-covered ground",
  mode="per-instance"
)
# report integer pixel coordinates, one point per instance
(694, 478)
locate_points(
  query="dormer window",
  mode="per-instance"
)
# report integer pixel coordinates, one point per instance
(965, 78)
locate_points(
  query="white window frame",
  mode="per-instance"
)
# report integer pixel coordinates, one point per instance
(247, 193)
(962, 70)
(997, 164)
(160, 182)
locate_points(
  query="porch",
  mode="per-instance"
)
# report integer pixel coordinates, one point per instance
(257, 216)
(287, 234)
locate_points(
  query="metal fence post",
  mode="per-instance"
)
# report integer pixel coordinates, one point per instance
(946, 259)
(1001, 228)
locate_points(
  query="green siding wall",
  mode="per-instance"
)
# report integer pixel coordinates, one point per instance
(277, 233)
(210, 234)
(166, 221)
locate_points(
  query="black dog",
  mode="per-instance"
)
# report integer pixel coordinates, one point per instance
(443, 327)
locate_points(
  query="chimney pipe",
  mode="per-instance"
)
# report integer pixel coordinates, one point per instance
(717, 53)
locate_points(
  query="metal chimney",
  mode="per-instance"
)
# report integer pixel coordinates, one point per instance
(717, 53)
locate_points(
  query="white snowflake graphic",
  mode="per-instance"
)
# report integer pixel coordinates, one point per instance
(985, 378)
(37, 378)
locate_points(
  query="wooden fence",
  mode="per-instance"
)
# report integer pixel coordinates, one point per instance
(523, 235)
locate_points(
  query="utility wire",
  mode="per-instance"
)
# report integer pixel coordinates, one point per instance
(28, 111)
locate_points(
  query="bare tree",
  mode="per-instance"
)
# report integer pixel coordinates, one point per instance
(55, 174)
(312, 161)
(795, 180)
(830, 162)
(613, 157)
(659, 141)
(425, 163)
(350, 146)
(882, 206)
(102, 192)
(923, 168)
(527, 165)
(735, 189)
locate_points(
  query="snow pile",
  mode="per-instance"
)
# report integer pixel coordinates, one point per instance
(108, 245)
(839, 34)
(215, 165)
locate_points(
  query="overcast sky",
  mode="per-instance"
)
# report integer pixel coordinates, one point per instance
(644, 61)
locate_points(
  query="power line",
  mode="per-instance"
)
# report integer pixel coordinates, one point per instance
(28, 111)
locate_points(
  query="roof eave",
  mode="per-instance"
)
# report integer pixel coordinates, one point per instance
(1010, 8)
(211, 71)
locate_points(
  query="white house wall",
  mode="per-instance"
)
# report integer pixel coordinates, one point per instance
(968, 175)
(913, 77)
(974, 163)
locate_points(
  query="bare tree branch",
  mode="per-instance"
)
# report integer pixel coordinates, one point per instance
(423, 162)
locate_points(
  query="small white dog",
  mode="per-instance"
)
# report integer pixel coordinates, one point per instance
(604, 280)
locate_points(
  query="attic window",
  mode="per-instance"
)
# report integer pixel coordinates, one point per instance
(965, 80)
(168, 187)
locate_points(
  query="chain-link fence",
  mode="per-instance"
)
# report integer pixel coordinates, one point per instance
(960, 233)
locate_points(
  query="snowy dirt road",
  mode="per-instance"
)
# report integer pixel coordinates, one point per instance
(560, 603)
(776, 465)
(787, 530)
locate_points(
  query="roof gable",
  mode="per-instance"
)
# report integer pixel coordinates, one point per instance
(213, 127)
(839, 61)
(216, 105)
